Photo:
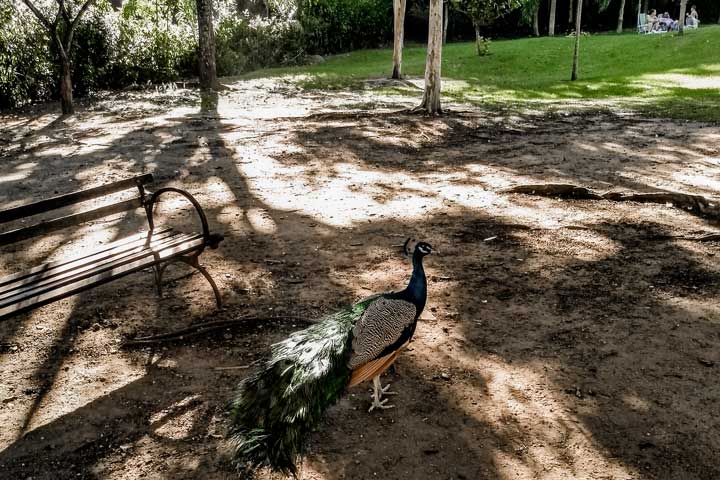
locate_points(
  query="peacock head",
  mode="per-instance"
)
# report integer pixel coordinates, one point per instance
(421, 249)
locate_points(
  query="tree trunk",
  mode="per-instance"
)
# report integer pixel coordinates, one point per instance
(570, 14)
(206, 45)
(621, 16)
(646, 4)
(66, 95)
(536, 20)
(399, 14)
(681, 20)
(431, 98)
(576, 52)
(446, 11)
(551, 23)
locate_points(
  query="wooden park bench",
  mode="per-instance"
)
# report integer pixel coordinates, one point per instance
(154, 248)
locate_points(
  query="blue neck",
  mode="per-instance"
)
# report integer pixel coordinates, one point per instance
(416, 291)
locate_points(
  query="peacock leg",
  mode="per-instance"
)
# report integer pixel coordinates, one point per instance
(377, 403)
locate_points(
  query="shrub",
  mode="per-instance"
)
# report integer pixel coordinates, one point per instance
(332, 26)
(245, 43)
(155, 42)
(26, 66)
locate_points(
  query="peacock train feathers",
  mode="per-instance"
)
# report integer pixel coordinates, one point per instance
(276, 408)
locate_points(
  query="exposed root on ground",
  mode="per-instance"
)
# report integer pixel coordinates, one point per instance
(697, 204)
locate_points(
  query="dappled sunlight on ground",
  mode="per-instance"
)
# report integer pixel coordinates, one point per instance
(554, 333)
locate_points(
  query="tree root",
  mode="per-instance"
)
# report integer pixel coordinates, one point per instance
(202, 329)
(696, 204)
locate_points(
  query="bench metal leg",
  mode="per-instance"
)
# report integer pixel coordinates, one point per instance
(195, 263)
(159, 270)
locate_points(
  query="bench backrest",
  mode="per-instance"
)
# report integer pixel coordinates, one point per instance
(44, 206)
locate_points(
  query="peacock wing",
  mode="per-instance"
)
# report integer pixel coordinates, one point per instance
(381, 327)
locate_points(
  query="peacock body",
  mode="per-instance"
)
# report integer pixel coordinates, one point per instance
(277, 407)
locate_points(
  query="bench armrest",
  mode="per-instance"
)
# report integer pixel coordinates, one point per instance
(211, 239)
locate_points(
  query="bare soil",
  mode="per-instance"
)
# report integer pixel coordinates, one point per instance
(562, 338)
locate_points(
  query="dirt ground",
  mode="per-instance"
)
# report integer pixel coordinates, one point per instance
(562, 339)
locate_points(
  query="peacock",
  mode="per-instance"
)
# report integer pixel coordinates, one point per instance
(275, 409)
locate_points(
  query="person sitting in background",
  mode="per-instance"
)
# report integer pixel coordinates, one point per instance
(666, 22)
(692, 20)
(652, 21)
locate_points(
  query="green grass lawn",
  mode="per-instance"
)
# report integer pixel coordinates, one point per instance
(664, 74)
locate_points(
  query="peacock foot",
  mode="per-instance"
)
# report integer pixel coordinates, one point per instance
(384, 390)
(380, 404)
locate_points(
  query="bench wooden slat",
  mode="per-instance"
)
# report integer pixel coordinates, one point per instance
(72, 198)
(72, 276)
(94, 256)
(100, 278)
(47, 277)
(67, 221)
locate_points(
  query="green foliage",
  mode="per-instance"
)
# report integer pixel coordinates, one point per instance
(528, 9)
(154, 41)
(144, 43)
(245, 43)
(484, 12)
(26, 68)
(332, 26)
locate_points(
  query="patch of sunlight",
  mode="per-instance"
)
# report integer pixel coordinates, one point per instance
(587, 147)
(346, 193)
(550, 440)
(697, 180)
(217, 189)
(261, 221)
(698, 309)
(43, 328)
(705, 67)
(81, 381)
(177, 421)
(16, 176)
(690, 82)
(585, 245)
(450, 85)
(636, 403)
(116, 464)
(339, 201)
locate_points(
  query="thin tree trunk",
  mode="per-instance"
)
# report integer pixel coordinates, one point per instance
(551, 23)
(681, 20)
(576, 52)
(399, 14)
(431, 97)
(478, 41)
(536, 19)
(621, 16)
(63, 40)
(446, 15)
(206, 45)
(646, 4)
(570, 13)
(66, 94)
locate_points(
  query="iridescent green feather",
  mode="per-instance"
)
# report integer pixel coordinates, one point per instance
(277, 407)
